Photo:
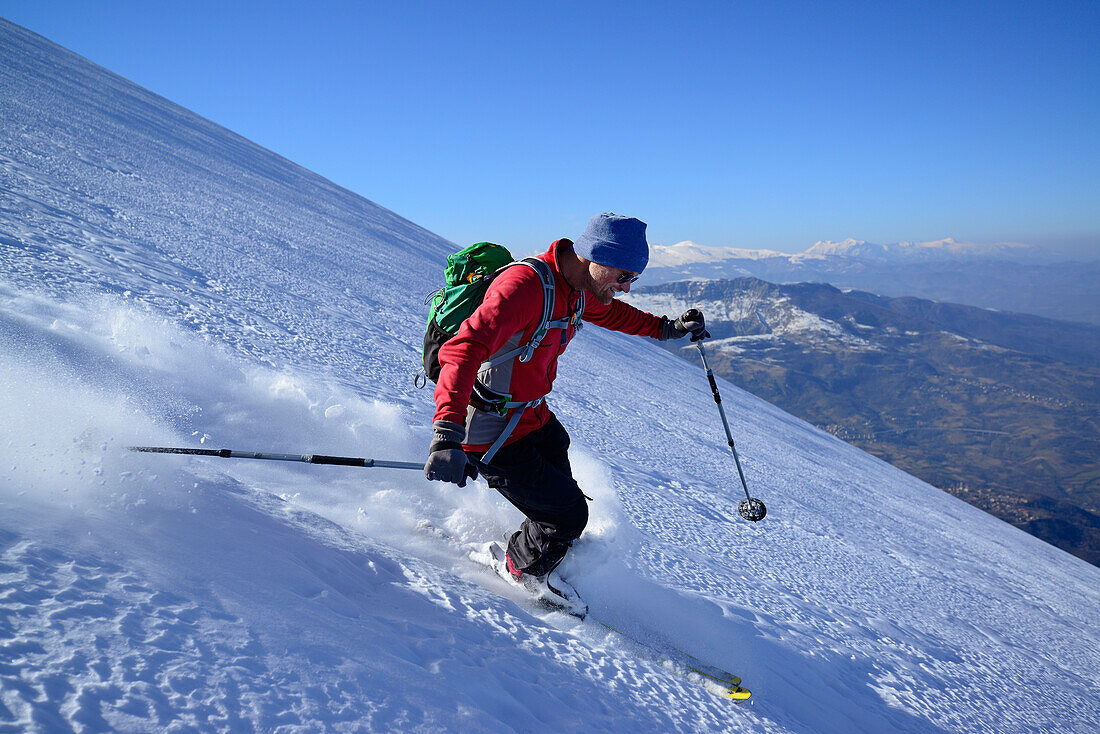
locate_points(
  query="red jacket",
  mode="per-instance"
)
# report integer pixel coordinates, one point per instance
(508, 317)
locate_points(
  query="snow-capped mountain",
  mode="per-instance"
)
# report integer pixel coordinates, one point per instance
(164, 281)
(938, 250)
(1009, 277)
(691, 253)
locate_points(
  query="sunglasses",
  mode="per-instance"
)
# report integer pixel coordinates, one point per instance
(627, 278)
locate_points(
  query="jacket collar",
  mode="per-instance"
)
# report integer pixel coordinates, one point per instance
(552, 259)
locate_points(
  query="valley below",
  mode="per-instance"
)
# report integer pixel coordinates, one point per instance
(998, 409)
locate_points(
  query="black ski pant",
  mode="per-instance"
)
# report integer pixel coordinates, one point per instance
(533, 473)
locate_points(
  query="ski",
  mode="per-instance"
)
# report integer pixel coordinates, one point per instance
(687, 666)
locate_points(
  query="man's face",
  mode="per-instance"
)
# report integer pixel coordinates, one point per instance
(604, 282)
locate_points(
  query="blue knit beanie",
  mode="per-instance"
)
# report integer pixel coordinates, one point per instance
(615, 241)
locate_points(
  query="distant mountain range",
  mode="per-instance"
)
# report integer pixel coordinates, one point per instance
(1009, 277)
(997, 408)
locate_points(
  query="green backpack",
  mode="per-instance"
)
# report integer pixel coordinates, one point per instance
(466, 279)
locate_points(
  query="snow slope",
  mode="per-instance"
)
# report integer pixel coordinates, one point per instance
(164, 281)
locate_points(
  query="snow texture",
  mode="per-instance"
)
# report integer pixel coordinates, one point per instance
(163, 281)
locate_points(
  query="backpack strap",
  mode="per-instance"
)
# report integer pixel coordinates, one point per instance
(574, 320)
(547, 305)
(527, 351)
(500, 403)
(487, 457)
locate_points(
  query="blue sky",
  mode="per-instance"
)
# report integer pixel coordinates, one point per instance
(747, 124)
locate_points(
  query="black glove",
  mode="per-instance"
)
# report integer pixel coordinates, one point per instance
(691, 322)
(448, 462)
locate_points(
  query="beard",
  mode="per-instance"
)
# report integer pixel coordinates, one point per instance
(605, 294)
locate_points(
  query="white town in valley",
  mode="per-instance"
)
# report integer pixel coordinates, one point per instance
(166, 282)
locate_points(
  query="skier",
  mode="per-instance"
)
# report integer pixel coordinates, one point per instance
(477, 404)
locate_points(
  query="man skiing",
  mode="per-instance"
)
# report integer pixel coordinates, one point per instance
(493, 417)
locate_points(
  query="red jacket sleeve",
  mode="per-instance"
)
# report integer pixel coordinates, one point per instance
(513, 303)
(620, 316)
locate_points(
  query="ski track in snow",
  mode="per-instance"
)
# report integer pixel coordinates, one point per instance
(166, 282)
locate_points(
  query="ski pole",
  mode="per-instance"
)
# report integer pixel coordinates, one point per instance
(304, 458)
(750, 508)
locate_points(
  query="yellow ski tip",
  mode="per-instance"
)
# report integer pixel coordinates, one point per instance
(739, 693)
